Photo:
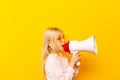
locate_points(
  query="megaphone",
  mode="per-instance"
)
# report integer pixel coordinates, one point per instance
(75, 46)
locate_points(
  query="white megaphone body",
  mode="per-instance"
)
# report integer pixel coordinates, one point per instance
(88, 45)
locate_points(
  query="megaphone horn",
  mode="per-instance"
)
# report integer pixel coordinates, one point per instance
(88, 45)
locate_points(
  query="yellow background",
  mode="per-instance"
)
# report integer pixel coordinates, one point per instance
(23, 22)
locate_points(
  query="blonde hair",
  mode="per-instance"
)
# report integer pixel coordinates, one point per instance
(51, 35)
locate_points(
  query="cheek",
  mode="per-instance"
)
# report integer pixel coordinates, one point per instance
(59, 45)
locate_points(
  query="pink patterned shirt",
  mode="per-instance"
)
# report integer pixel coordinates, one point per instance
(57, 68)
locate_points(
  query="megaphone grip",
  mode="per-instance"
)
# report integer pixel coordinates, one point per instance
(78, 63)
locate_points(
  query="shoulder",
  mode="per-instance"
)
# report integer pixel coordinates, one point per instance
(51, 57)
(52, 61)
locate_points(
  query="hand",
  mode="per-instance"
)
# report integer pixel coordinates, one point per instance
(74, 59)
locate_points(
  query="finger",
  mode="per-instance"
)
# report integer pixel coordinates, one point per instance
(79, 55)
(80, 58)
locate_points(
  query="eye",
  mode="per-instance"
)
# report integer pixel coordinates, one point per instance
(59, 40)
(63, 40)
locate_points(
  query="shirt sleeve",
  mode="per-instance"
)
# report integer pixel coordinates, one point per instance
(55, 71)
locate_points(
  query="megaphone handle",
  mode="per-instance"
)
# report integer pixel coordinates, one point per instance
(77, 63)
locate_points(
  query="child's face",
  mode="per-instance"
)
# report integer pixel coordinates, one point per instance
(60, 42)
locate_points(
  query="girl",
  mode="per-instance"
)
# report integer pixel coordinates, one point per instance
(55, 65)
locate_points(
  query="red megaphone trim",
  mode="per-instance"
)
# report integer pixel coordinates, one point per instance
(66, 47)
